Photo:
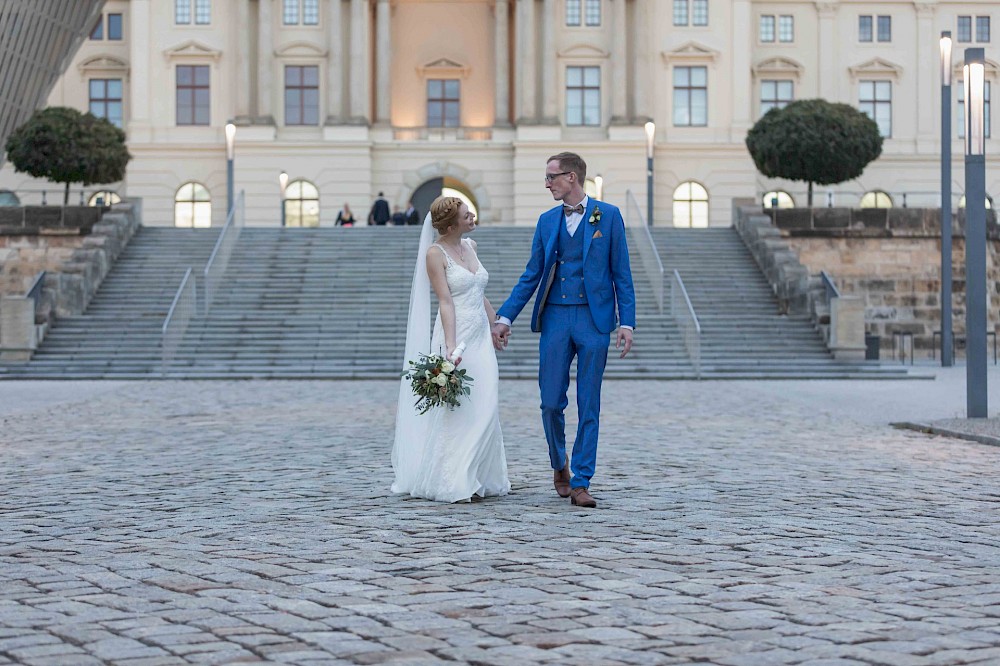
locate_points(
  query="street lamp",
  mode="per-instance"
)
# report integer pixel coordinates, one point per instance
(947, 346)
(975, 234)
(650, 135)
(230, 156)
(282, 184)
(599, 184)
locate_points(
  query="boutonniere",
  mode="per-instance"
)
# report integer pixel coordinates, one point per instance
(595, 217)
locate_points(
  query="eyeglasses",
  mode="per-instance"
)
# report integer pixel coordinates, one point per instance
(549, 177)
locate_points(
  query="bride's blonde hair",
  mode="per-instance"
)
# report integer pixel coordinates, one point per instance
(444, 213)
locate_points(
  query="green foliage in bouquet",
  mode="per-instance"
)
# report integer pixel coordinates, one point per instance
(436, 382)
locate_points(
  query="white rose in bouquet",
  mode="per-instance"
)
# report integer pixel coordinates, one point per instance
(447, 367)
(440, 380)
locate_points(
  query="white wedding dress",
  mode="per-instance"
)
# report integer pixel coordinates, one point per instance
(449, 455)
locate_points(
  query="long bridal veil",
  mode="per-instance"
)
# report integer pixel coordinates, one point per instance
(411, 429)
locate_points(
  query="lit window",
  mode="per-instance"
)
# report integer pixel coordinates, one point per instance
(104, 198)
(192, 206)
(301, 204)
(876, 101)
(690, 96)
(301, 95)
(767, 28)
(691, 206)
(778, 199)
(443, 102)
(106, 100)
(775, 95)
(961, 202)
(876, 199)
(583, 96)
(960, 116)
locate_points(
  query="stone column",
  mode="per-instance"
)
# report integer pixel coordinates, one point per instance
(928, 87)
(265, 61)
(335, 64)
(241, 91)
(642, 77)
(527, 109)
(359, 61)
(548, 62)
(619, 64)
(502, 62)
(139, 47)
(383, 62)
(742, 81)
(828, 78)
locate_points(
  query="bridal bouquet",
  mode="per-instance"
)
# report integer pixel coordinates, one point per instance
(436, 382)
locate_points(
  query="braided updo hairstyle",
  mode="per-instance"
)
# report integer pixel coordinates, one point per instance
(444, 213)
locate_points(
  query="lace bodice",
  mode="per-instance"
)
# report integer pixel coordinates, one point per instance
(467, 292)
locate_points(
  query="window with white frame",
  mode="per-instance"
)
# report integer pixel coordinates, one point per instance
(691, 206)
(960, 116)
(192, 206)
(199, 10)
(875, 199)
(691, 12)
(983, 29)
(300, 12)
(106, 100)
(193, 95)
(766, 30)
(875, 99)
(964, 32)
(573, 14)
(583, 96)
(301, 204)
(786, 29)
(775, 94)
(690, 96)
(592, 16)
(884, 25)
(443, 102)
(301, 94)
(681, 12)
(699, 12)
(865, 30)
(114, 32)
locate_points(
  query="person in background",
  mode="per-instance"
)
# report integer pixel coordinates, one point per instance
(345, 218)
(379, 214)
(412, 216)
(398, 217)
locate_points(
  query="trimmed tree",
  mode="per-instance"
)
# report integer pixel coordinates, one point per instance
(66, 146)
(814, 141)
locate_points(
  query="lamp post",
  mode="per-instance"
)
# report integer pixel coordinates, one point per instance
(230, 156)
(650, 135)
(282, 184)
(599, 184)
(947, 346)
(975, 234)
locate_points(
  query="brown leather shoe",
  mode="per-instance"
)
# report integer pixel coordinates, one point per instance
(580, 497)
(560, 479)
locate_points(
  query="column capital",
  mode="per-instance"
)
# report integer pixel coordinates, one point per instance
(827, 8)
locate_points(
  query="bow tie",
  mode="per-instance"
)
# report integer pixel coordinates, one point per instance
(569, 210)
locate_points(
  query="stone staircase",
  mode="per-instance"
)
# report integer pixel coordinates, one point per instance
(332, 303)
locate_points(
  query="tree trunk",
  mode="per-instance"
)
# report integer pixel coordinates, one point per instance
(810, 201)
(66, 196)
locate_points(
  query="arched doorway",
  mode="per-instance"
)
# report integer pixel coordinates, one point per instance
(425, 195)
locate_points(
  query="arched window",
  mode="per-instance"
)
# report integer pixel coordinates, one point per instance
(961, 202)
(192, 206)
(691, 206)
(104, 198)
(301, 204)
(8, 198)
(876, 199)
(778, 199)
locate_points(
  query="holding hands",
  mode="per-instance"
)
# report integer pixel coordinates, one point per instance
(501, 335)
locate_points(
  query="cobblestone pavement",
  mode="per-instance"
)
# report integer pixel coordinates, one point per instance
(740, 523)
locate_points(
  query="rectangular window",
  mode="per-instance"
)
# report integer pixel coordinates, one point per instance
(775, 95)
(98, 31)
(583, 96)
(593, 17)
(699, 12)
(443, 98)
(106, 100)
(192, 95)
(885, 28)
(786, 29)
(115, 27)
(767, 28)
(202, 12)
(690, 96)
(864, 28)
(982, 29)
(960, 119)
(290, 12)
(301, 95)
(680, 12)
(875, 99)
(182, 12)
(310, 12)
(964, 29)
(573, 12)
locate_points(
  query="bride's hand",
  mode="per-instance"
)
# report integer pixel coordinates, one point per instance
(457, 359)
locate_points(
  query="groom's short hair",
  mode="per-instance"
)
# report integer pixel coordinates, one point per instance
(571, 162)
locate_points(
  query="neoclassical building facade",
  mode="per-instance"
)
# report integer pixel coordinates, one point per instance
(350, 98)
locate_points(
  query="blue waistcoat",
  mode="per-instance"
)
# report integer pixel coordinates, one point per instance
(567, 287)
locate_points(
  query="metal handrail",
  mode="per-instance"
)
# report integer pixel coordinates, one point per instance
(648, 253)
(687, 320)
(182, 309)
(831, 288)
(219, 259)
(35, 290)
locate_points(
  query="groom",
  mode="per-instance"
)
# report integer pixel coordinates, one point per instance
(580, 259)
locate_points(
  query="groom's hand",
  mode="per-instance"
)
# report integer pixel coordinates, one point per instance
(501, 333)
(624, 337)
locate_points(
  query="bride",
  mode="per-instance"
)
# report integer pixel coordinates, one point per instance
(450, 455)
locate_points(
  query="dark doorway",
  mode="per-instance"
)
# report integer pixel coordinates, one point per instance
(425, 195)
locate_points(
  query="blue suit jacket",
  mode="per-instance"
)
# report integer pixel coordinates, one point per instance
(606, 272)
